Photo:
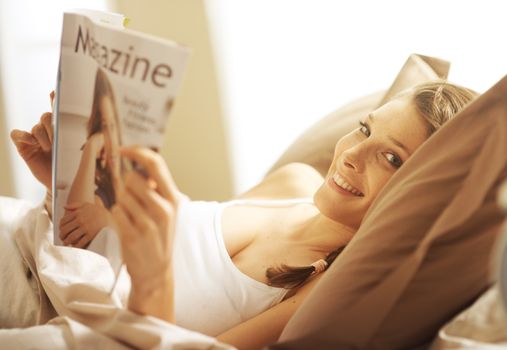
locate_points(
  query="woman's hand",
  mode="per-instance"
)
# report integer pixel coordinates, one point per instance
(83, 185)
(145, 214)
(35, 147)
(82, 222)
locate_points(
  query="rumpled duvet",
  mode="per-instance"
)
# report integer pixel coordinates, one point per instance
(55, 297)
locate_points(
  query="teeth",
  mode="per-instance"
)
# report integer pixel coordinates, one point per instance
(346, 186)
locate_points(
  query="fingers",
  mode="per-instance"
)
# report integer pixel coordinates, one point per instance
(22, 137)
(45, 120)
(74, 237)
(137, 213)
(156, 169)
(41, 134)
(68, 228)
(68, 224)
(42, 137)
(82, 218)
(154, 205)
(69, 216)
(83, 242)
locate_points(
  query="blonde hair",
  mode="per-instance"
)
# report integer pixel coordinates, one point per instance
(439, 101)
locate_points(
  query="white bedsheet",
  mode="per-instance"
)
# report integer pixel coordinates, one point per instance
(482, 326)
(62, 293)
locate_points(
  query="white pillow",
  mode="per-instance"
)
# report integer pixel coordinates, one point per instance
(482, 326)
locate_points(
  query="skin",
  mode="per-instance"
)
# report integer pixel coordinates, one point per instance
(35, 148)
(146, 209)
(367, 161)
(111, 139)
(147, 206)
(85, 214)
(306, 233)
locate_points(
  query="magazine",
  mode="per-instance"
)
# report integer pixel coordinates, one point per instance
(115, 87)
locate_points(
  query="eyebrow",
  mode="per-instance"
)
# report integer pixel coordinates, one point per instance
(396, 142)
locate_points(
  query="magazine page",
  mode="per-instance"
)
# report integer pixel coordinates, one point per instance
(115, 87)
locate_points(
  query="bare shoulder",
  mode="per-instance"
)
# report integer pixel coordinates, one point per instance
(293, 180)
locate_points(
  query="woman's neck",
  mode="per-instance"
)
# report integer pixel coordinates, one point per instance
(321, 234)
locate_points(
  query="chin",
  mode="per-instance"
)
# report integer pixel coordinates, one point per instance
(336, 208)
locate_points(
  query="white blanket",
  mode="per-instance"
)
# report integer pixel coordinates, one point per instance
(482, 326)
(63, 293)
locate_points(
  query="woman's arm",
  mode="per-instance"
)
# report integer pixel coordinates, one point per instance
(265, 328)
(82, 222)
(145, 213)
(83, 185)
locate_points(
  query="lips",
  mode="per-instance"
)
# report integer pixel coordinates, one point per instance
(343, 184)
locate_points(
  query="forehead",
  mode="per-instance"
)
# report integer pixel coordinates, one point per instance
(399, 119)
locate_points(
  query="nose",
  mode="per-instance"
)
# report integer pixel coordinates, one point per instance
(352, 159)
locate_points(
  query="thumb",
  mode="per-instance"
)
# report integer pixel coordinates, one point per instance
(20, 136)
(73, 205)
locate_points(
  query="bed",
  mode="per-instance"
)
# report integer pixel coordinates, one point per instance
(424, 285)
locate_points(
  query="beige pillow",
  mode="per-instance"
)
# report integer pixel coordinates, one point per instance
(422, 252)
(316, 145)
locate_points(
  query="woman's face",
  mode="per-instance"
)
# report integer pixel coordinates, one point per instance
(110, 132)
(367, 157)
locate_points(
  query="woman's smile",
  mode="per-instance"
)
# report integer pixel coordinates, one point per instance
(340, 185)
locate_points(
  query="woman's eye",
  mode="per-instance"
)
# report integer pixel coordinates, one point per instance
(364, 128)
(394, 160)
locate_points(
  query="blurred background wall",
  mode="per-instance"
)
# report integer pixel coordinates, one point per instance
(196, 143)
(261, 71)
(29, 49)
(6, 180)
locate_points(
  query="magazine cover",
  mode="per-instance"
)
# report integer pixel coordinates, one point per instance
(115, 87)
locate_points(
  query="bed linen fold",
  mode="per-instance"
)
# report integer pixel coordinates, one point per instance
(75, 309)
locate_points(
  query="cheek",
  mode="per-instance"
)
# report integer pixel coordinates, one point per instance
(346, 142)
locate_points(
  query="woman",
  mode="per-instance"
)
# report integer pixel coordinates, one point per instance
(99, 173)
(239, 270)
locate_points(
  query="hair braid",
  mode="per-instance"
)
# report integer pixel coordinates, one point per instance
(289, 277)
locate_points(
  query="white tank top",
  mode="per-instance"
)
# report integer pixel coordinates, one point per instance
(211, 294)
